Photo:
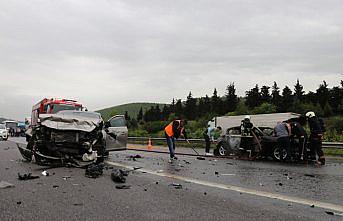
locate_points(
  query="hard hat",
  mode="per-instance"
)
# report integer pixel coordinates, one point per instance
(310, 114)
(247, 117)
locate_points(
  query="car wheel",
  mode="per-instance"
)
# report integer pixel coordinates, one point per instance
(221, 150)
(277, 153)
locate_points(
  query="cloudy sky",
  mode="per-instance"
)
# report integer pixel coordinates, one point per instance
(110, 52)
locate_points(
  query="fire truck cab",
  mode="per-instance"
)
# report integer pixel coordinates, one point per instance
(52, 106)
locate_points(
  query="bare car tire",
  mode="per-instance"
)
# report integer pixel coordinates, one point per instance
(277, 153)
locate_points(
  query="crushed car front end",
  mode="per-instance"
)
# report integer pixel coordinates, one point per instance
(68, 137)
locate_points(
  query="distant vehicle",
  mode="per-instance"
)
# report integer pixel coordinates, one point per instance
(10, 124)
(3, 132)
(11, 127)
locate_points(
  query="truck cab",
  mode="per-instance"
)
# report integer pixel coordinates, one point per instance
(52, 106)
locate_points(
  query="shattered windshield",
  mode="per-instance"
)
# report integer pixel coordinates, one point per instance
(60, 107)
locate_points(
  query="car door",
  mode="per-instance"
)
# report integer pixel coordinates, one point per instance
(116, 133)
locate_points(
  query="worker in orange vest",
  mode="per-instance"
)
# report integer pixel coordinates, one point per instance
(175, 129)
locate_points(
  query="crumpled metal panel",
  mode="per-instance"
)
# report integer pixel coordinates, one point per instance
(59, 122)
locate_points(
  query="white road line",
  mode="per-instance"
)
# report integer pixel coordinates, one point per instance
(292, 199)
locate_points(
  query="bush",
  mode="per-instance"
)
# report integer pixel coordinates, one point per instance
(154, 126)
(264, 108)
(138, 133)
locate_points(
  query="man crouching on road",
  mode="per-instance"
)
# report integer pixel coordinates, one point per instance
(174, 130)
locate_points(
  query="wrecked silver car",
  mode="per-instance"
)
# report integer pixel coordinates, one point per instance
(76, 138)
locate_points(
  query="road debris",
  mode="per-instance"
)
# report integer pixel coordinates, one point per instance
(312, 206)
(216, 173)
(176, 185)
(309, 175)
(78, 204)
(94, 170)
(45, 173)
(117, 176)
(55, 186)
(5, 185)
(123, 187)
(135, 157)
(201, 158)
(66, 177)
(27, 176)
(137, 168)
(187, 162)
(333, 213)
(19, 203)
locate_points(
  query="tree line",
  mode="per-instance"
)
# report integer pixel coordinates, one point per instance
(324, 101)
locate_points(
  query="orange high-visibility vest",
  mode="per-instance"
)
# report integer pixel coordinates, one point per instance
(169, 129)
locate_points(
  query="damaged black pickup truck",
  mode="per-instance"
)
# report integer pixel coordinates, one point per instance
(75, 138)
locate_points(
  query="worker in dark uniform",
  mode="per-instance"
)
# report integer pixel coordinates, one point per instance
(246, 139)
(316, 138)
(298, 131)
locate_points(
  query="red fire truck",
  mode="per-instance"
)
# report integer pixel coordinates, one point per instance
(52, 106)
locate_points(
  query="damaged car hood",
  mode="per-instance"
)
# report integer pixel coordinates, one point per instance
(72, 120)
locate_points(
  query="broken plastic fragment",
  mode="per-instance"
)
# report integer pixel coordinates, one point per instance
(94, 171)
(310, 175)
(123, 187)
(90, 157)
(66, 177)
(4, 185)
(177, 185)
(45, 173)
(27, 176)
(118, 176)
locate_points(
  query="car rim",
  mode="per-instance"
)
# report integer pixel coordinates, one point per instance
(222, 151)
(277, 153)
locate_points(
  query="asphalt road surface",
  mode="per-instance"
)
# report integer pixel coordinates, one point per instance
(212, 189)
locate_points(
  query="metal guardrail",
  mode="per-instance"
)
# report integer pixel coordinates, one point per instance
(331, 145)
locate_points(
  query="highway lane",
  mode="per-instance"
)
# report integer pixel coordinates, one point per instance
(79, 197)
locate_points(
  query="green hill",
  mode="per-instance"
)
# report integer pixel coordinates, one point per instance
(132, 109)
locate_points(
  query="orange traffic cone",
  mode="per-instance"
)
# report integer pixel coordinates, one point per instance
(149, 144)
